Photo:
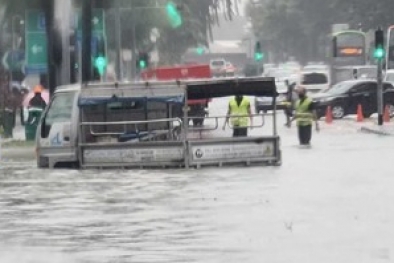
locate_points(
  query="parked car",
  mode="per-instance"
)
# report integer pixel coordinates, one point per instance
(344, 98)
(230, 69)
(281, 75)
(218, 67)
(389, 76)
(264, 104)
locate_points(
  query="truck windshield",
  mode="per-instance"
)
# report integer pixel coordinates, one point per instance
(60, 110)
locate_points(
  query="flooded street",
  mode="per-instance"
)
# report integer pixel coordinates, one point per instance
(205, 85)
(171, 216)
(328, 204)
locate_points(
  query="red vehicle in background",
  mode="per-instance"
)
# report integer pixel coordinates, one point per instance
(198, 109)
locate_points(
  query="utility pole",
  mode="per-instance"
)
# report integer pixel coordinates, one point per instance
(119, 67)
(379, 54)
(49, 8)
(380, 93)
(86, 68)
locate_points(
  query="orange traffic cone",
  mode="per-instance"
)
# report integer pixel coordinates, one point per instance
(386, 115)
(360, 116)
(328, 115)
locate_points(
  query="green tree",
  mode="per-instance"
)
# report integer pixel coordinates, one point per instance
(199, 17)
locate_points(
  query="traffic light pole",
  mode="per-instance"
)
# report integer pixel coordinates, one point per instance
(379, 55)
(86, 40)
(380, 92)
(119, 64)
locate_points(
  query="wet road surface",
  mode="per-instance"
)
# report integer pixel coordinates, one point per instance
(331, 203)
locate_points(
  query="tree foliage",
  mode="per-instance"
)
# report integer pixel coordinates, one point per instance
(301, 28)
(199, 16)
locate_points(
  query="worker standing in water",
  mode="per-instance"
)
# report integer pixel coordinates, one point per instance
(305, 115)
(239, 111)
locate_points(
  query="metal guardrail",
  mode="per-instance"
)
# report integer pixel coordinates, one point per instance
(125, 123)
(217, 118)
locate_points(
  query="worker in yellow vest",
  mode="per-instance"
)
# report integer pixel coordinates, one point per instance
(304, 115)
(239, 112)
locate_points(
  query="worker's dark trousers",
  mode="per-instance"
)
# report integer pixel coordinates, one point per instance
(240, 132)
(305, 134)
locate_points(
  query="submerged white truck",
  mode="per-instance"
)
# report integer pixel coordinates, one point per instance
(140, 125)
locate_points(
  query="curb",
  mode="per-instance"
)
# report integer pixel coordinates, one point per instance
(375, 131)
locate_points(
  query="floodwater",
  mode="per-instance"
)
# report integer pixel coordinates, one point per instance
(331, 203)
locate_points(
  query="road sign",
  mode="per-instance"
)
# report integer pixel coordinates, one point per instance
(35, 21)
(13, 60)
(36, 50)
(36, 43)
(36, 40)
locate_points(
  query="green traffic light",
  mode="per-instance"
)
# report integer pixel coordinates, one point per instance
(378, 53)
(173, 14)
(100, 63)
(258, 56)
(142, 64)
(200, 50)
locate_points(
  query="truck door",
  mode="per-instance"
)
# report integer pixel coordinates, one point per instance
(57, 127)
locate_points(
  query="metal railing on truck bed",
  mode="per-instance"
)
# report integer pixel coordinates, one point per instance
(141, 134)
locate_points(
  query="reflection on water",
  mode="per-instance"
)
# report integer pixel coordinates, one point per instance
(120, 216)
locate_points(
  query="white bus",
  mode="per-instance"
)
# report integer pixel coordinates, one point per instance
(390, 48)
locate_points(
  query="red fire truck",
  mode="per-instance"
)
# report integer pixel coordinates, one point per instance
(198, 109)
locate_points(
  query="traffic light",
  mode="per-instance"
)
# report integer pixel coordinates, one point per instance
(258, 54)
(143, 60)
(379, 51)
(174, 15)
(100, 60)
(200, 50)
(100, 63)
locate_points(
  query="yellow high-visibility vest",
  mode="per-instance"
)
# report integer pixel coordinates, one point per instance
(239, 114)
(303, 115)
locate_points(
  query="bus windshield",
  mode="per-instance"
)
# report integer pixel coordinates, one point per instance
(350, 40)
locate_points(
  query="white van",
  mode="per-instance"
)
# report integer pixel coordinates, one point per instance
(315, 80)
